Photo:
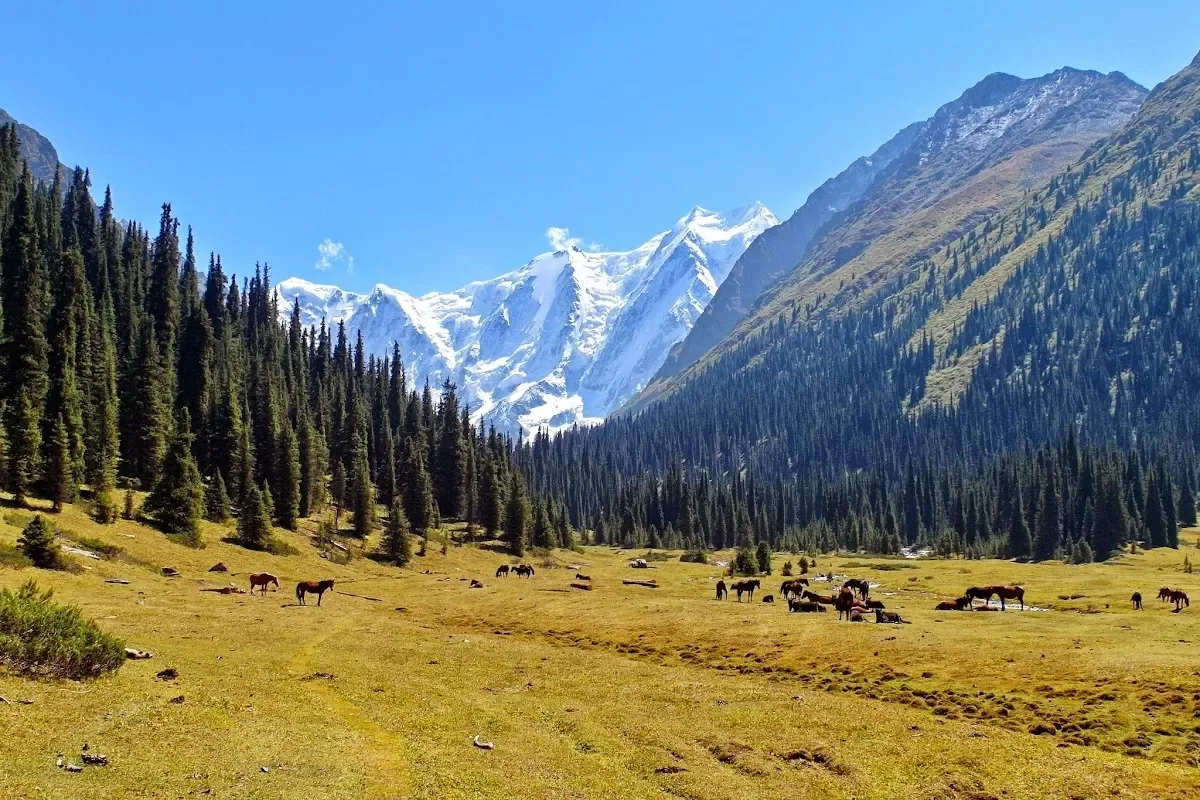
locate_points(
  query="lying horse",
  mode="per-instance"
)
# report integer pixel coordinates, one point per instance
(258, 579)
(722, 592)
(860, 586)
(503, 570)
(960, 604)
(746, 587)
(523, 571)
(769, 598)
(828, 600)
(882, 616)
(1136, 599)
(313, 587)
(804, 606)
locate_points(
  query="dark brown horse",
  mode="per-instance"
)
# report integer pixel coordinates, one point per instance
(804, 606)
(974, 593)
(1164, 593)
(861, 587)
(793, 587)
(959, 604)
(722, 592)
(313, 587)
(1179, 598)
(746, 587)
(523, 571)
(1136, 599)
(769, 598)
(503, 570)
(889, 616)
(261, 579)
(844, 602)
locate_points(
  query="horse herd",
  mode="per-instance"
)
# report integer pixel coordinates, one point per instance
(852, 601)
(261, 580)
(1175, 596)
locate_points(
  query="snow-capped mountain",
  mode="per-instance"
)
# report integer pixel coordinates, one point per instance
(563, 340)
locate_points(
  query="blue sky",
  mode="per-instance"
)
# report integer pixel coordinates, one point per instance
(434, 146)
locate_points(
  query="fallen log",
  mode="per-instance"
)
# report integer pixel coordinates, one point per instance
(587, 587)
(647, 584)
(360, 596)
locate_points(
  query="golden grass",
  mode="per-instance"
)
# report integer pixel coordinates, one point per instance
(616, 692)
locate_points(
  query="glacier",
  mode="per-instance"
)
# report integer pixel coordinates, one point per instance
(565, 339)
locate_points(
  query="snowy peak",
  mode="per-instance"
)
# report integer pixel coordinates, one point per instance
(564, 339)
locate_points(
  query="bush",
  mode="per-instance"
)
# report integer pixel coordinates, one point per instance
(38, 545)
(744, 563)
(787, 569)
(653, 556)
(41, 637)
(763, 556)
(694, 557)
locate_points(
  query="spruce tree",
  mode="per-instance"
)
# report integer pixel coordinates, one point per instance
(1187, 504)
(103, 447)
(418, 493)
(1110, 521)
(542, 532)
(216, 500)
(23, 347)
(1019, 544)
(397, 543)
(58, 479)
(177, 500)
(516, 517)
(1049, 522)
(38, 544)
(763, 556)
(1153, 516)
(287, 479)
(254, 525)
(491, 504)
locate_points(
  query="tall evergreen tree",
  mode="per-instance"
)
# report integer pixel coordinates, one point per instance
(177, 500)
(397, 543)
(516, 517)
(1049, 522)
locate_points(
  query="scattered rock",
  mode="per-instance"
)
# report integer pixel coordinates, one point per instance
(639, 563)
(264, 769)
(67, 766)
(482, 745)
(218, 567)
(476, 584)
(177, 700)
(322, 675)
(671, 770)
(135, 654)
(94, 759)
(168, 674)
(170, 572)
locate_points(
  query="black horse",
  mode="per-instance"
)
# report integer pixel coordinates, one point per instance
(722, 592)
(503, 570)
(524, 571)
(746, 587)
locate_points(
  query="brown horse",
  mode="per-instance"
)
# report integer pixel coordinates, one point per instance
(828, 600)
(769, 598)
(722, 592)
(861, 587)
(1009, 593)
(1164, 593)
(312, 587)
(523, 571)
(1136, 599)
(974, 593)
(844, 602)
(261, 579)
(889, 616)
(746, 587)
(804, 606)
(503, 570)
(1179, 598)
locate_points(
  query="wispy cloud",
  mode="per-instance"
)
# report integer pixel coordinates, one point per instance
(561, 238)
(595, 247)
(331, 253)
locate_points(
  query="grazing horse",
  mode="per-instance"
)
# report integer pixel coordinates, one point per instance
(983, 593)
(1136, 599)
(262, 579)
(746, 587)
(1179, 598)
(523, 571)
(860, 586)
(313, 587)
(828, 600)
(882, 616)
(1008, 593)
(793, 587)
(804, 606)
(722, 592)
(769, 598)
(503, 570)
(1164, 593)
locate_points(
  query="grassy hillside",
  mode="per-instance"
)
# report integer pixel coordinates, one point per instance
(621, 691)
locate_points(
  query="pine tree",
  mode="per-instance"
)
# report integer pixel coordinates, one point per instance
(59, 483)
(254, 525)
(1187, 504)
(38, 544)
(1049, 522)
(216, 500)
(397, 543)
(491, 504)
(103, 447)
(516, 517)
(763, 556)
(1110, 522)
(177, 500)
(448, 462)
(23, 347)
(418, 493)
(542, 532)
(1154, 518)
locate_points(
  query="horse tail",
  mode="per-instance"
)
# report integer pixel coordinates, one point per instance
(299, 591)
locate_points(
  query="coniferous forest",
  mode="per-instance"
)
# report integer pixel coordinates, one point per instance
(125, 369)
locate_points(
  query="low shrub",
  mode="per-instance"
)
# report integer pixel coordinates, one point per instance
(653, 556)
(38, 544)
(41, 637)
(694, 557)
(12, 557)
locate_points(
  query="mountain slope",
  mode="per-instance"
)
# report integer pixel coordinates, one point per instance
(977, 156)
(563, 340)
(37, 151)
(1074, 313)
